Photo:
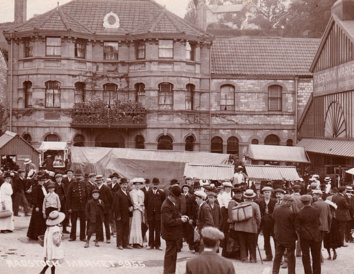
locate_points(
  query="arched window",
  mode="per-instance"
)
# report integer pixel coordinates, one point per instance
(165, 143)
(139, 92)
(27, 137)
(290, 143)
(139, 142)
(79, 95)
(27, 88)
(272, 140)
(216, 145)
(254, 142)
(79, 140)
(190, 97)
(227, 99)
(52, 138)
(165, 96)
(232, 145)
(52, 94)
(275, 98)
(189, 143)
(110, 93)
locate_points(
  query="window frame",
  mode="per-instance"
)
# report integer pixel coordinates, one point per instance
(230, 143)
(47, 46)
(28, 94)
(213, 150)
(83, 46)
(53, 93)
(79, 92)
(190, 90)
(110, 93)
(167, 48)
(112, 53)
(139, 50)
(279, 98)
(165, 95)
(226, 106)
(190, 51)
(139, 93)
(28, 46)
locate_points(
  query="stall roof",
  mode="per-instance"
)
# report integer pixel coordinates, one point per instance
(277, 153)
(331, 147)
(209, 172)
(8, 136)
(53, 146)
(261, 172)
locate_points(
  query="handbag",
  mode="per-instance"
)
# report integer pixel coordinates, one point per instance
(5, 213)
(242, 212)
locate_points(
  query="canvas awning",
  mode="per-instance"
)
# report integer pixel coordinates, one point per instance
(53, 146)
(277, 153)
(209, 172)
(329, 147)
(287, 173)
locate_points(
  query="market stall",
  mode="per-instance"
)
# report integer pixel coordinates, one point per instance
(209, 172)
(54, 155)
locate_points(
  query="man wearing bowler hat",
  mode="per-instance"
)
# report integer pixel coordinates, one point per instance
(114, 186)
(171, 228)
(154, 198)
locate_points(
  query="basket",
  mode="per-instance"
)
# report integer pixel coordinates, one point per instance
(41, 240)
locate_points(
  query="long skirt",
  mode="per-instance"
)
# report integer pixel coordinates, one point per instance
(136, 234)
(333, 239)
(37, 225)
(9, 222)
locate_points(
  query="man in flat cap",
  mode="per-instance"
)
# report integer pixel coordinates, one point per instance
(342, 211)
(266, 206)
(285, 234)
(171, 228)
(209, 261)
(215, 209)
(307, 224)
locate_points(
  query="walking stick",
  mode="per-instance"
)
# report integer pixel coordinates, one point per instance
(259, 252)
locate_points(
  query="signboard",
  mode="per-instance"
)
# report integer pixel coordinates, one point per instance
(334, 80)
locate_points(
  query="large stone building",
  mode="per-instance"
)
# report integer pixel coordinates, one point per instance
(129, 73)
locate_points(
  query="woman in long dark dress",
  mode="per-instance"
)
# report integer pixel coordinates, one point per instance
(37, 224)
(332, 240)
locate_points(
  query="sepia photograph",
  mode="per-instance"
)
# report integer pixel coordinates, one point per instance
(176, 136)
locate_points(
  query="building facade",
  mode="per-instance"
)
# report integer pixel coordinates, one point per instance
(132, 74)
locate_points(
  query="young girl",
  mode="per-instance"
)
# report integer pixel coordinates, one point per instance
(53, 249)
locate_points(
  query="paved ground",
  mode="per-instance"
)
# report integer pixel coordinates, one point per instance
(18, 255)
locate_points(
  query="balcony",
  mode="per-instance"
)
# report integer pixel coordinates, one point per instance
(98, 114)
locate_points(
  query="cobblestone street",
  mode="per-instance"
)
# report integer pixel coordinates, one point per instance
(18, 255)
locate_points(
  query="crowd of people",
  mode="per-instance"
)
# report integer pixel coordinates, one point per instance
(300, 217)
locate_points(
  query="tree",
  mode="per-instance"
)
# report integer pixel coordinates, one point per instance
(307, 18)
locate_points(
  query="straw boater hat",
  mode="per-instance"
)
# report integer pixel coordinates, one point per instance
(27, 161)
(138, 181)
(249, 193)
(327, 179)
(267, 188)
(55, 217)
(317, 191)
(200, 194)
(227, 184)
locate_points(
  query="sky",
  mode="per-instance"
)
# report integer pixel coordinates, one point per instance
(178, 7)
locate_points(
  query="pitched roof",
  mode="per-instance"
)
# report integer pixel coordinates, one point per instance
(343, 148)
(135, 17)
(6, 137)
(263, 56)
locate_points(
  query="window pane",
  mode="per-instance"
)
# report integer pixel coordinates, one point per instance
(53, 41)
(140, 50)
(275, 97)
(28, 47)
(52, 94)
(166, 48)
(110, 50)
(227, 100)
(53, 46)
(80, 48)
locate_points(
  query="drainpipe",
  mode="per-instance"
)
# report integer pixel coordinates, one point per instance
(11, 82)
(296, 107)
(210, 99)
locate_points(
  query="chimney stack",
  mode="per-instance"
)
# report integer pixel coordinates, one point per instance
(20, 11)
(344, 9)
(201, 14)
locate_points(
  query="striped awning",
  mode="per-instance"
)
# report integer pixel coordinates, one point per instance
(277, 153)
(330, 147)
(209, 172)
(260, 172)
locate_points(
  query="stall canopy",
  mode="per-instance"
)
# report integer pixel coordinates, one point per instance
(257, 172)
(53, 146)
(12, 144)
(209, 172)
(277, 153)
(330, 147)
(130, 163)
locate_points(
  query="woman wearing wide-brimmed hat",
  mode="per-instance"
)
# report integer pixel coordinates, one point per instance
(53, 248)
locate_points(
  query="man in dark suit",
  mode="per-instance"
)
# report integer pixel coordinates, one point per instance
(122, 208)
(18, 196)
(209, 261)
(114, 186)
(285, 234)
(91, 184)
(215, 209)
(307, 224)
(153, 200)
(60, 189)
(107, 198)
(171, 228)
(69, 178)
(145, 189)
(147, 186)
(266, 206)
(76, 200)
(342, 211)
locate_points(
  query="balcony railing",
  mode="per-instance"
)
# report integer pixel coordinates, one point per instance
(88, 116)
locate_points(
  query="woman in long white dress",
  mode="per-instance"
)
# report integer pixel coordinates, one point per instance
(6, 224)
(137, 197)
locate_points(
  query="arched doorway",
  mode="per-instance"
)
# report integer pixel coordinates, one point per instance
(165, 143)
(272, 140)
(232, 145)
(139, 142)
(110, 140)
(189, 143)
